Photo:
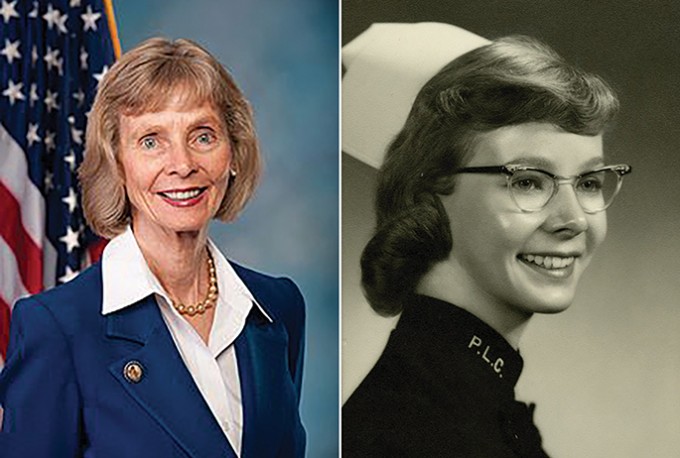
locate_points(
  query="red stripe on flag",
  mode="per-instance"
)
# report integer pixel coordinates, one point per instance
(95, 249)
(27, 253)
(4, 327)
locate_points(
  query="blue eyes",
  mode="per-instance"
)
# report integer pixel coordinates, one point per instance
(149, 143)
(205, 139)
(200, 141)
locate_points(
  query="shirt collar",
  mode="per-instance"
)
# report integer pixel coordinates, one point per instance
(127, 279)
(228, 279)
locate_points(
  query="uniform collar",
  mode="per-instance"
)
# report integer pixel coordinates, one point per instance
(461, 344)
(127, 279)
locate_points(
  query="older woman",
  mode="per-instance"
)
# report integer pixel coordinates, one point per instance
(490, 204)
(164, 348)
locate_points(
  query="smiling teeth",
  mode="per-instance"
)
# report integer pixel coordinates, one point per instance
(549, 262)
(183, 195)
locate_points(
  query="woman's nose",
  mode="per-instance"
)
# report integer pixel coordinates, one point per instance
(180, 160)
(565, 213)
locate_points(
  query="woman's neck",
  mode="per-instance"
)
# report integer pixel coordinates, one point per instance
(177, 259)
(447, 281)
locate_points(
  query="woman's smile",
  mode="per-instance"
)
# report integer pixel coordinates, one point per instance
(554, 266)
(183, 197)
(527, 261)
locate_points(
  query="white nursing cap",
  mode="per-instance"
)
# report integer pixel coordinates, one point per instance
(386, 66)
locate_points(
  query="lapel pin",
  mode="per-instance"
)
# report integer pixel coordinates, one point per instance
(133, 371)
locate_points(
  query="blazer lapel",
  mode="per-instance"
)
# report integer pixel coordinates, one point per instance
(260, 351)
(165, 389)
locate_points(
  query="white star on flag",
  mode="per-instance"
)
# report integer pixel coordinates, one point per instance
(32, 134)
(79, 95)
(33, 94)
(8, 11)
(51, 101)
(53, 60)
(77, 135)
(99, 76)
(48, 181)
(55, 18)
(70, 159)
(70, 239)
(34, 12)
(71, 200)
(50, 143)
(69, 275)
(74, 3)
(11, 50)
(90, 19)
(13, 91)
(83, 59)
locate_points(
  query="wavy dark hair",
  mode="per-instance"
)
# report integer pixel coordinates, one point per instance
(511, 81)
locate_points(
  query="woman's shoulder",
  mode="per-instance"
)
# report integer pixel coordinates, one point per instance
(258, 278)
(70, 299)
(279, 295)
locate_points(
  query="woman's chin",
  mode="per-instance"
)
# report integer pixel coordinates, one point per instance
(189, 228)
(549, 303)
(553, 309)
(180, 226)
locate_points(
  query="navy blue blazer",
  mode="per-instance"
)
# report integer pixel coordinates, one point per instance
(65, 394)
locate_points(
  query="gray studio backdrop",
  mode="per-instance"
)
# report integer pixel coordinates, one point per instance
(605, 374)
(284, 57)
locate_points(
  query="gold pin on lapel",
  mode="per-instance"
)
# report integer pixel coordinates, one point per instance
(133, 371)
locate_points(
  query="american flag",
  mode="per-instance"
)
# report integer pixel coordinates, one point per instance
(52, 55)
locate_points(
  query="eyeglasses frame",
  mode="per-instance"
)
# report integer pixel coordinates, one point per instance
(510, 169)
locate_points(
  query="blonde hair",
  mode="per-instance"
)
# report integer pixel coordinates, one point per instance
(139, 83)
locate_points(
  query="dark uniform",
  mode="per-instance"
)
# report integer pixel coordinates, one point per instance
(443, 387)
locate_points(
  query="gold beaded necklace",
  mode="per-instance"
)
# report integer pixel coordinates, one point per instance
(210, 299)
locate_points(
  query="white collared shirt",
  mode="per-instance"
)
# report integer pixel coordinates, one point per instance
(127, 279)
